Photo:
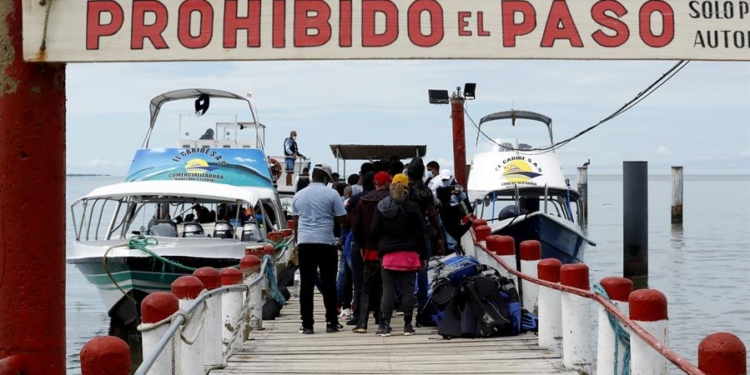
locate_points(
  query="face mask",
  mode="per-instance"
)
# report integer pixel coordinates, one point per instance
(294, 138)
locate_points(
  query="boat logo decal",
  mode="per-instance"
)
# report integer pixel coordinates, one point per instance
(519, 170)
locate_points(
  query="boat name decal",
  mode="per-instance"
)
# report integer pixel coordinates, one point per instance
(519, 170)
(207, 150)
(208, 177)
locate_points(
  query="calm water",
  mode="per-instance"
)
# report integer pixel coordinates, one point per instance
(703, 267)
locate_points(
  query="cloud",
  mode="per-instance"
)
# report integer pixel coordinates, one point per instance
(663, 150)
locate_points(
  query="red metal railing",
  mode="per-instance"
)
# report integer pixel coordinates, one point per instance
(681, 363)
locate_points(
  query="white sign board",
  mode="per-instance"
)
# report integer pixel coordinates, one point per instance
(169, 30)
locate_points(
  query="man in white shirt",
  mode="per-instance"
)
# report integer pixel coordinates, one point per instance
(314, 210)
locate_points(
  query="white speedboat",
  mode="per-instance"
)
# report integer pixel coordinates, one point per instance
(522, 192)
(195, 205)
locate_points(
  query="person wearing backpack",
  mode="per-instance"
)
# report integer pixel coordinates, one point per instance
(398, 228)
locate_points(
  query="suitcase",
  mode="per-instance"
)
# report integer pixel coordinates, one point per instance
(459, 269)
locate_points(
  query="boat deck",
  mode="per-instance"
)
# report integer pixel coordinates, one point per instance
(281, 349)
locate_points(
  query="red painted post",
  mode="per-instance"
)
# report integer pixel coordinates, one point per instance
(459, 140)
(107, 355)
(32, 181)
(648, 309)
(550, 317)
(211, 279)
(482, 232)
(249, 264)
(576, 319)
(722, 353)
(478, 222)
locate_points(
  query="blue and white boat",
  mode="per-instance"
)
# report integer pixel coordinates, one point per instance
(522, 192)
(195, 205)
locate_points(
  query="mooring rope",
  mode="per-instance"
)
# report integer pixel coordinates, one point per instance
(273, 287)
(621, 334)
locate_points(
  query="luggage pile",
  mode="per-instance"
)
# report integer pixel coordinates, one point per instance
(470, 299)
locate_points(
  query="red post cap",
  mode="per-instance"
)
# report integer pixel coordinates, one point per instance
(275, 236)
(157, 306)
(575, 275)
(187, 287)
(108, 355)
(209, 276)
(501, 245)
(722, 353)
(648, 305)
(230, 276)
(531, 250)
(617, 288)
(256, 250)
(268, 249)
(249, 261)
(549, 270)
(290, 224)
(482, 232)
(478, 222)
(287, 232)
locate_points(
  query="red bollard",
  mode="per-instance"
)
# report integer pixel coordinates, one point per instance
(107, 355)
(576, 319)
(249, 264)
(290, 224)
(230, 276)
(618, 289)
(478, 222)
(530, 253)
(192, 357)
(211, 279)
(648, 308)
(209, 276)
(722, 353)
(482, 232)
(155, 308)
(502, 246)
(550, 318)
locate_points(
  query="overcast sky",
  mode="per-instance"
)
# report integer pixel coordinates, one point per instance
(700, 119)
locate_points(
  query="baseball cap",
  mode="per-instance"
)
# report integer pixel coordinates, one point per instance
(382, 178)
(402, 179)
(445, 175)
(325, 168)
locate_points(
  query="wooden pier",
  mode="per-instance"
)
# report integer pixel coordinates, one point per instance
(281, 349)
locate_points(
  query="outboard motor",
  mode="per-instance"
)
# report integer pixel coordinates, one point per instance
(222, 229)
(192, 229)
(251, 232)
(164, 228)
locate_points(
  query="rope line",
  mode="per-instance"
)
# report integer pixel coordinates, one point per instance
(271, 284)
(621, 334)
(48, 3)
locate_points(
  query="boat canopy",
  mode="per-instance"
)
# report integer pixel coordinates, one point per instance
(513, 115)
(178, 189)
(158, 101)
(377, 152)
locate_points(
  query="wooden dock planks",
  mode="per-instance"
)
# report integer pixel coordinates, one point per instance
(281, 349)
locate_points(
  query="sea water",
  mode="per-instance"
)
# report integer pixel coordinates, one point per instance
(703, 266)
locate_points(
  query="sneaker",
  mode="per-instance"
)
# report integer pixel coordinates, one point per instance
(408, 329)
(384, 330)
(305, 331)
(330, 328)
(359, 330)
(346, 314)
(352, 322)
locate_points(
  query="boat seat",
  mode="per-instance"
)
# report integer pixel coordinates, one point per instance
(222, 229)
(192, 229)
(164, 228)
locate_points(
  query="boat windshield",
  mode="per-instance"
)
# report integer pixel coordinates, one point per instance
(120, 219)
(498, 207)
(501, 135)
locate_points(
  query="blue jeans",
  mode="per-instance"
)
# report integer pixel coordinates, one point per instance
(343, 284)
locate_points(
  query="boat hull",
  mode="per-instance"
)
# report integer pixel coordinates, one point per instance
(558, 241)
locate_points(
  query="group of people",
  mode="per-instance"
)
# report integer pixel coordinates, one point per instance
(380, 226)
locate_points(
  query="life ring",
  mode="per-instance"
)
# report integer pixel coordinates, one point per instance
(275, 167)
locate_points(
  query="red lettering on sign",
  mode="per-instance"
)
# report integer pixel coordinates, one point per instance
(560, 25)
(600, 16)
(480, 25)
(345, 23)
(463, 23)
(311, 15)
(414, 20)
(140, 31)
(279, 24)
(234, 23)
(206, 31)
(370, 37)
(511, 29)
(646, 28)
(94, 28)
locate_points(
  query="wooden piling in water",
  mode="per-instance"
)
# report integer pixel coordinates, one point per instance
(583, 190)
(676, 195)
(635, 222)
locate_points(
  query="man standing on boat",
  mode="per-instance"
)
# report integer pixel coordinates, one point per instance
(290, 155)
(314, 210)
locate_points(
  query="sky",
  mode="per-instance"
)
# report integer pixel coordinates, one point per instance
(700, 119)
